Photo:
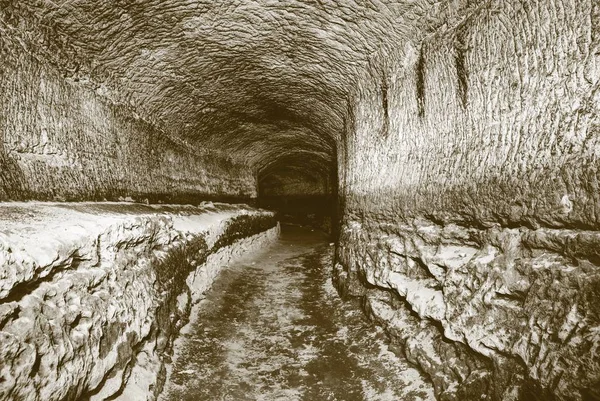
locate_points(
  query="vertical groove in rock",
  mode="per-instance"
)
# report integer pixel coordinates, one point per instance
(420, 73)
(461, 69)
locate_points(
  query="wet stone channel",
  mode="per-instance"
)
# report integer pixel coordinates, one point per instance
(273, 328)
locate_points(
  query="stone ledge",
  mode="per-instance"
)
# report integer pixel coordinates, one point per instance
(513, 309)
(93, 294)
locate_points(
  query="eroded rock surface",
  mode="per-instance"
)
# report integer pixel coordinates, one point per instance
(93, 295)
(469, 175)
(508, 313)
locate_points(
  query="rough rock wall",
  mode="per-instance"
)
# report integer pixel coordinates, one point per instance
(93, 295)
(64, 139)
(469, 180)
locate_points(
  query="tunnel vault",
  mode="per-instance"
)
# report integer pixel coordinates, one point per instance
(255, 82)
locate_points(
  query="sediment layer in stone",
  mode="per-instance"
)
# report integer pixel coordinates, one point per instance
(505, 312)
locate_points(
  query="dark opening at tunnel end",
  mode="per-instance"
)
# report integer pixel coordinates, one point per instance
(301, 192)
(315, 211)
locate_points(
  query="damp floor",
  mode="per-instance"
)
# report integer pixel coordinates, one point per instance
(272, 327)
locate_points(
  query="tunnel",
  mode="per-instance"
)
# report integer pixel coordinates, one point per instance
(448, 150)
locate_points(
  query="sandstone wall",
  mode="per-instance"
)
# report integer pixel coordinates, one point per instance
(93, 295)
(63, 138)
(469, 181)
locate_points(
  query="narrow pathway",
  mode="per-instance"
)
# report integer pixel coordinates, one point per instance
(273, 328)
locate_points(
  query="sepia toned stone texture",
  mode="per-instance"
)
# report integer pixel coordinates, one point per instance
(459, 139)
(92, 295)
(469, 177)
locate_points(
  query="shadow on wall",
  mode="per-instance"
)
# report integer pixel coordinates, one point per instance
(12, 179)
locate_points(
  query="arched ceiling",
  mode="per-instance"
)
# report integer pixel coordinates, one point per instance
(264, 80)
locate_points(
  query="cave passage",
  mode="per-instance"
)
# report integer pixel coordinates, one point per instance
(301, 191)
(272, 327)
(449, 148)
